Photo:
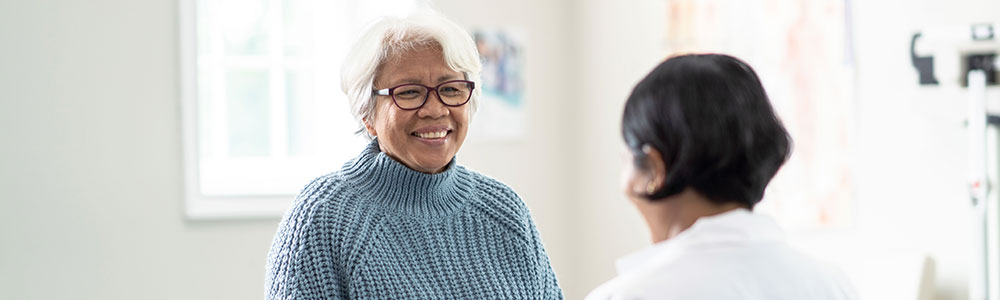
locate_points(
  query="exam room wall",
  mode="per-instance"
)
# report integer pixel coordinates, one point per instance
(90, 163)
(910, 159)
(912, 141)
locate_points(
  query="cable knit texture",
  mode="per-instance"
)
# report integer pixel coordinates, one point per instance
(377, 229)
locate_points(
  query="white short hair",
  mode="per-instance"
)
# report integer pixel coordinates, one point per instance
(392, 36)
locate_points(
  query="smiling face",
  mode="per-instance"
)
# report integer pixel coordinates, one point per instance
(427, 138)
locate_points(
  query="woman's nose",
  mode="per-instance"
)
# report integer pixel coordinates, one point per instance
(434, 108)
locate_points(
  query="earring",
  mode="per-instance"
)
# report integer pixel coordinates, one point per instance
(650, 188)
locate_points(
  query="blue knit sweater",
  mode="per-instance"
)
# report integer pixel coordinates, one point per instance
(377, 229)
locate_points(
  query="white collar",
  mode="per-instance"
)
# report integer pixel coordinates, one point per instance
(738, 226)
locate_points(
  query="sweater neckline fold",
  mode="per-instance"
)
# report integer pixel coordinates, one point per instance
(391, 185)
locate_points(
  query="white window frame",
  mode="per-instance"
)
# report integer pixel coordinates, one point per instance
(221, 199)
(198, 205)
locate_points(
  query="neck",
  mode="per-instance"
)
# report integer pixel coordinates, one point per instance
(669, 217)
(392, 185)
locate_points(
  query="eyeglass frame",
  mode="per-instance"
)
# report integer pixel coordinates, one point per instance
(388, 92)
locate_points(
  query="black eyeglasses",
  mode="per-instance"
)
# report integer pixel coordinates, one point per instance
(413, 96)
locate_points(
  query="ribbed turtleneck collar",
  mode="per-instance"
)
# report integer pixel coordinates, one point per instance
(391, 184)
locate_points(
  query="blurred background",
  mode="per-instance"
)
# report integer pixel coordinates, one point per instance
(129, 131)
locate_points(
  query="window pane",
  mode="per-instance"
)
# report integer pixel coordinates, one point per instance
(249, 116)
(206, 121)
(203, 32)
(298, 26)
(301, 111)
(244, 25)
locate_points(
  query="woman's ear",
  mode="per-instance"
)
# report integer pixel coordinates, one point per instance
(369, 127)
(656, 168)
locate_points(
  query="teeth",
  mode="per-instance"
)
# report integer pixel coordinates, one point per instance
(432, 135)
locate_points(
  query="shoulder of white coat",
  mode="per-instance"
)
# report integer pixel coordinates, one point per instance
(605, 291)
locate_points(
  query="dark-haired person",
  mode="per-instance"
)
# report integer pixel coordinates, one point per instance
(705, 142)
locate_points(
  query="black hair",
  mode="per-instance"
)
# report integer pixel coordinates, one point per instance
(709, 117)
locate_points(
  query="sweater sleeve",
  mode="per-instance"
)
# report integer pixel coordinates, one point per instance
(548, 276)
(302, 263)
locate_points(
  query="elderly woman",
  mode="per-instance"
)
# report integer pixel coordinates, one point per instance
(402, 220)
(705, 142)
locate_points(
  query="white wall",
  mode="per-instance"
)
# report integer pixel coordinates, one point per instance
(912, 165)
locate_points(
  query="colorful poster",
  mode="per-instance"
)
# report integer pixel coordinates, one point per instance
(501, 113)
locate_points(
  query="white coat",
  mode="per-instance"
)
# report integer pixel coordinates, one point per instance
(733, 255)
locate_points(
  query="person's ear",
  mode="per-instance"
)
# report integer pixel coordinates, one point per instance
(656, 169)
(369, 127)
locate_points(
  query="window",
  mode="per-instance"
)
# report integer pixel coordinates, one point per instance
(263, 113)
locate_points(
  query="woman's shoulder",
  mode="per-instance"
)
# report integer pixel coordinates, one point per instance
(325, 188)
(323, 222)
(495, 195)
(489, 185)
(328, 197)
